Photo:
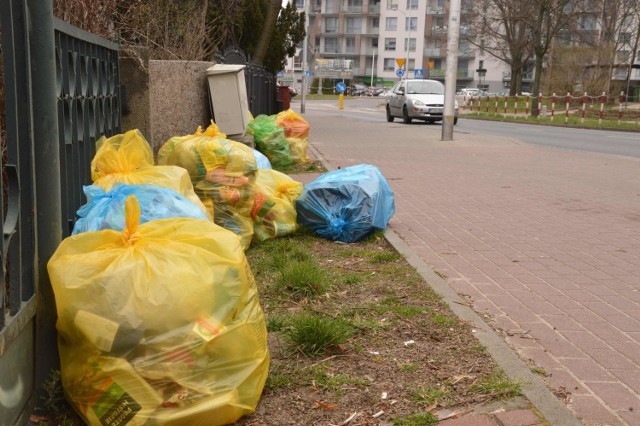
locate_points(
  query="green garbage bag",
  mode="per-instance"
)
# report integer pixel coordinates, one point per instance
(270, 140)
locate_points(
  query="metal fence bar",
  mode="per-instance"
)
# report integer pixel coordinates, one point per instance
(87, 91)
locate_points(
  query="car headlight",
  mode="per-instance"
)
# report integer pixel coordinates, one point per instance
(418, 103)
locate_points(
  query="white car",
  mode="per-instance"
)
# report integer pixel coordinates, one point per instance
(418, 99)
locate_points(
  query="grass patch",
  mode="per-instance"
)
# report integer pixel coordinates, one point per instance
(498, 386)
(304, 279)
(384, 257)
(314, 335)
(352, 278)
(297, 168)
(409, 368)
(540, 371)
(276, 322)
(420, 419)
(429, 395)
(444, 320)
(321, 378)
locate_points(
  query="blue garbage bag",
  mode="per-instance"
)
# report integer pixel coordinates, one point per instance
(261, 160)
(346, 204)
(105, 210)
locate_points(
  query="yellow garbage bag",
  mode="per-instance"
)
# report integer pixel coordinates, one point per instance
(296, 132)
(223, 173)
(159, 324)
(128, 158)
(274, 206)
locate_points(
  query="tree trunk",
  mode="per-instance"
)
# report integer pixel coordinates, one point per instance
(267, 31)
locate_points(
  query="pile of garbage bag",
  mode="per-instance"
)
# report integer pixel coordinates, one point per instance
(223, 173)
(274, 212)
(105, 210)
(128, 158)
(296, 131)
(347, 204)
(159, 323)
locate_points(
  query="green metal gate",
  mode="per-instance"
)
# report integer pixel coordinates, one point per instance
(61, 88)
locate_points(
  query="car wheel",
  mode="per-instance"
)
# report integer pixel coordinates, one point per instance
(455, 121)
(405, 115)
(389, 116)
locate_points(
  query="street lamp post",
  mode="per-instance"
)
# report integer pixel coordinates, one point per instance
(373, 67)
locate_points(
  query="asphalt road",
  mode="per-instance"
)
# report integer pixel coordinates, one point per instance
(602, 141)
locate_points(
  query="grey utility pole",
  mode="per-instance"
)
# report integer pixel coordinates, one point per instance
(453, 35)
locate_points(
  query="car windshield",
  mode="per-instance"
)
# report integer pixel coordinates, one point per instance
(424, 88)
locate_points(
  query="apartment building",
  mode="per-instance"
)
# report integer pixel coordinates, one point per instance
(363, 41)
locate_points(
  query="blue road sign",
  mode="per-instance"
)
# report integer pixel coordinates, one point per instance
(341, 87)
(418, 73)
(400, 72)
(280, 74)
(308, 73)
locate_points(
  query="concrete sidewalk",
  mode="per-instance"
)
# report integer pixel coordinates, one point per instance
(543, 243)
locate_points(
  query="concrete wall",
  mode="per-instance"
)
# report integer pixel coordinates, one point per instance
(178, 98)
(134, 77)
(164, 98)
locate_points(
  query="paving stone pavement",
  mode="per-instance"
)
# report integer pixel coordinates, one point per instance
(545, 244)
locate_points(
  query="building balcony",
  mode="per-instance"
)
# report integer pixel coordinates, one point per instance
(461, 74)
(433, 52)
(527, 77)
(434, 10)
(351, 9)
(467, 53)
(438, 31)
(374, 9)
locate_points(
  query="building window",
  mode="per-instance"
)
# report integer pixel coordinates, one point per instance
(299, 4)
(374, 42)
(411, 24)
(390, 44)
(389, 64)
(354, 25)
(330, 25)
(412, 4)
(350, 45)
(623, 56)
(331, 45)
(391, 24)
(375, 23)
(624, 38)
(412, 45)
(391, 5)
(411, 65)
(587, 22)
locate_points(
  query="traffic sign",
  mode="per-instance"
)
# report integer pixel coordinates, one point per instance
(400, 62)
(341, 87)
(280, 74)
(418, 73)
(400, 72)
(308, 73)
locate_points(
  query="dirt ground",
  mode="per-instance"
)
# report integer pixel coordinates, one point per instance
(408, 357)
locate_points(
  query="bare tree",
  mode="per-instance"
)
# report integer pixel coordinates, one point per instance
(501, 31)
(547, 19)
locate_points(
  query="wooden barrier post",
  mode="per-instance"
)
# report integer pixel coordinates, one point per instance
(506, 102)
(539, 105)
(566, 109)
(603, 97)
(515, 104)
(620, 102)
(553, 105)
(584, 106)
(496, 104)
(526, 107)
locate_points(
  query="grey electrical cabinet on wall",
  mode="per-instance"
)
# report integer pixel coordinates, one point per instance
(228, 91)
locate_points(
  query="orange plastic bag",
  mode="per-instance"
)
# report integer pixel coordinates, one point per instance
(128, 158)
(296, 131)
(159, 324)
